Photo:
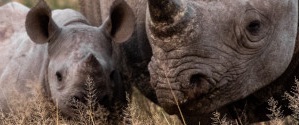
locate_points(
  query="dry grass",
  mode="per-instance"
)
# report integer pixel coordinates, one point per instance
(36, 110)
(144, 112)
(276, 115)
(276, 112)
(293, 98)
(220, 120)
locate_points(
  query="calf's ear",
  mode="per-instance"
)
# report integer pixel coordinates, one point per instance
(39, 24)
(121, 22)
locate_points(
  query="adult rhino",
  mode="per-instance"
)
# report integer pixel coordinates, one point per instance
(211, 54)
(60, 51)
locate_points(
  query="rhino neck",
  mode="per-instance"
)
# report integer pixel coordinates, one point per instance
(286, 80)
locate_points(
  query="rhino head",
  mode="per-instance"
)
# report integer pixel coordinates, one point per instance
(208, 53)
(78, 52)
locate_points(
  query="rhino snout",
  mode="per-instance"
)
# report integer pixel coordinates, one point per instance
(81, 101)
(173, 94)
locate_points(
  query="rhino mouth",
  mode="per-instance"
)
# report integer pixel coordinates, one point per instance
(79, 103)
(183, 84)
(170, 97)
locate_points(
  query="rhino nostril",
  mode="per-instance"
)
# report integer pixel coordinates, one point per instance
(196, 79)
(199, 85)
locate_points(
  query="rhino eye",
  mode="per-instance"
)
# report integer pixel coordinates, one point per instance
(254, 27)
(59, 76)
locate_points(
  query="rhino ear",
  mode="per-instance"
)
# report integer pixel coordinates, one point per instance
(39, 23)
(120, 24)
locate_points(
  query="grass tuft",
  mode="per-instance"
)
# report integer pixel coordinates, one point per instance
(24, 110)
(276, 115)
(218, 120)
(36, 110)
(293, 98)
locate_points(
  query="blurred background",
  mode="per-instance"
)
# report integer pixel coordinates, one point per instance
(54, 4)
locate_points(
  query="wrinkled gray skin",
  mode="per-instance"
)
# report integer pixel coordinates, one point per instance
(136, 51)
(210, 53)
(60, 52)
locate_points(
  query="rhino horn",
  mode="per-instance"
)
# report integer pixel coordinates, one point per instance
(165, 11)
(91, 61)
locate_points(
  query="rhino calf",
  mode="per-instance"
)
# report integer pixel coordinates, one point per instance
(60, 51)
(136, 50)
